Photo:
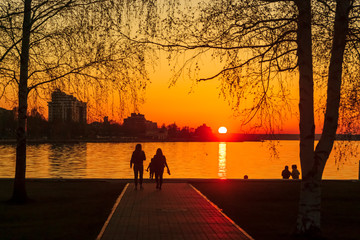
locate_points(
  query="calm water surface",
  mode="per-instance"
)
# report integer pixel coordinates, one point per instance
(185, 159)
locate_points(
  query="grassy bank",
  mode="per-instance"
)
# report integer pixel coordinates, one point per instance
(267, 209)
(71, 209)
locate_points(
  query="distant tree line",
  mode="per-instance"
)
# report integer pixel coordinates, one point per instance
(39, 128)
(202, 132)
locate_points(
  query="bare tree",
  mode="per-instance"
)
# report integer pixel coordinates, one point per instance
(67, 44)
(263, 43)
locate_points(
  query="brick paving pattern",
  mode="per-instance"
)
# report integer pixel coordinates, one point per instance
(175, 212)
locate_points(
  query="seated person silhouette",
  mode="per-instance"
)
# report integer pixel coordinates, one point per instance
(295, 173)
(286, 173)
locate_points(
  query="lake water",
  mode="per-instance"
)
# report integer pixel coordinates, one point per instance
(185, 159)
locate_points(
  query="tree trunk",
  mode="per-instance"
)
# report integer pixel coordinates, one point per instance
(328, 136)
(313, 162)
(19, 191)
(309, 207)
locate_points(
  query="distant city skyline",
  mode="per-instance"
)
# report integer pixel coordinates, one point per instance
(192, 116)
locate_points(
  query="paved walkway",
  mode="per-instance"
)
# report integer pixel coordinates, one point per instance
(178, 211)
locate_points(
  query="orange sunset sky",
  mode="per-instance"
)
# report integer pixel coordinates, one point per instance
(191, 104)
(187, 103)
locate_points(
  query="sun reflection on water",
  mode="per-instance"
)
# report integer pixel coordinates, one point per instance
(222, 160)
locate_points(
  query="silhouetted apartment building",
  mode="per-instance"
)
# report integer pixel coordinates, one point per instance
(65, 107)
(138, 125)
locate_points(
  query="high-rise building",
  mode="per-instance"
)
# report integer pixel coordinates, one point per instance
(65, 107)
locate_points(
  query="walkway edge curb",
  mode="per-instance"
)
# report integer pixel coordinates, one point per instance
(222, 213)
(112, 212)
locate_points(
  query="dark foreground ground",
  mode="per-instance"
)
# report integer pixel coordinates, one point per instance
(68, 210)
(266, 209)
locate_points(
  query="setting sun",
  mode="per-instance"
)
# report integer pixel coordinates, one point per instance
(222, 130)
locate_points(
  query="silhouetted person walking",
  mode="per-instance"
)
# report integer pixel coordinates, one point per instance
(159, 163)
(286, 173)
(137, 158)
(295, 173)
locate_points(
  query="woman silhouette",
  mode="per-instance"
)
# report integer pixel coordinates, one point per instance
(159, 162)
(137, 158)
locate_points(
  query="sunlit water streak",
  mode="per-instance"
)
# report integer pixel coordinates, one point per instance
(185, 159)
(222, 161)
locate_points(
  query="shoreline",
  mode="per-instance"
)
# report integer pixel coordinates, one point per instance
(78, 141)
(230, 137)
(175, 180)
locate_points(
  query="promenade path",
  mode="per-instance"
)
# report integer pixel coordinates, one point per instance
(178, 211)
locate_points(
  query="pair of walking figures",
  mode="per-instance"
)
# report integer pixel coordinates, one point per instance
(156, 166)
